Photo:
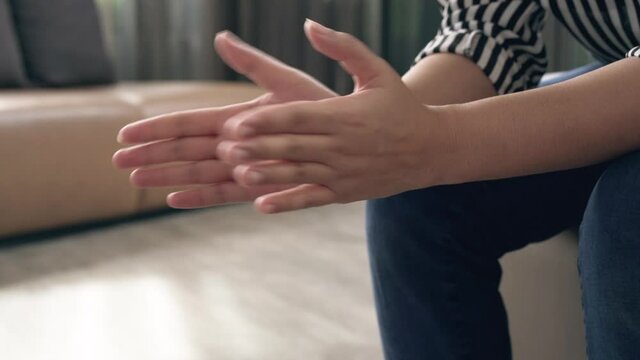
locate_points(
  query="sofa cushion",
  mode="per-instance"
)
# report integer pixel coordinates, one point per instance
(541, 291)
(11, 70)
(62, 42)
(56, 148)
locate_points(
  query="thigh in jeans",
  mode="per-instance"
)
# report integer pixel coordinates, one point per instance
(610, 262)
(434, 258)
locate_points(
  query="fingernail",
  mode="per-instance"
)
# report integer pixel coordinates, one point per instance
(120, 138)
(320, 29)
(254, 177)
(229, 150)
(231, 37)
(222, 33)
(222, 149)
(115, 159)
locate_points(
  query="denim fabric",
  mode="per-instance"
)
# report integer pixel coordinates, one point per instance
(434, 259)
(609, 262)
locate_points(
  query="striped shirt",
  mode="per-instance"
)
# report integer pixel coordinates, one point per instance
(503, 36)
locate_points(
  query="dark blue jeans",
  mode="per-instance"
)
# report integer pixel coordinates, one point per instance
(434, 258)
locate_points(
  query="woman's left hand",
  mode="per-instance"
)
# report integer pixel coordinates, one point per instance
(378, 141)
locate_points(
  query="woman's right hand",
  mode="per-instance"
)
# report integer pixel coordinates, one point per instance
(179, 149)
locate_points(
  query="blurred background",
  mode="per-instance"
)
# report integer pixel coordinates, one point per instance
(165, 39)
(92, 268)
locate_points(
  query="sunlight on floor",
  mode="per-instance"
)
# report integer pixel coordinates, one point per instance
(217, 284)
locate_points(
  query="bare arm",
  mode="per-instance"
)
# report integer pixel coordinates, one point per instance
(579, 122)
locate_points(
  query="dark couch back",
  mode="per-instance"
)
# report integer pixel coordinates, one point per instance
(11, 65)
(60, 44)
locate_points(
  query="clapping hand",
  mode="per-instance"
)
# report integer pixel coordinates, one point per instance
(191, 137)
(288, 151)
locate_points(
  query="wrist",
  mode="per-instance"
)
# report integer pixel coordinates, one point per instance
(442, 150)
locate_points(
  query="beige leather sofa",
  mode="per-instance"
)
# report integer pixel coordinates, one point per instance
(56, 148)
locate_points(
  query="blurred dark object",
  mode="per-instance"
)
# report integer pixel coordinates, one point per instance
(61, 42)
(408, 26)
(11, 68)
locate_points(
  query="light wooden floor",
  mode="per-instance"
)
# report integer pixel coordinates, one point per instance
(230, 284)
(220, 284)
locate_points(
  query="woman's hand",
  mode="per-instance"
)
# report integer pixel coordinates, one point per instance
(376, 142)
(191, 137)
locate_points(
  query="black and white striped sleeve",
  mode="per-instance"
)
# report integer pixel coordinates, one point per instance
(502, 37)
(635, 52)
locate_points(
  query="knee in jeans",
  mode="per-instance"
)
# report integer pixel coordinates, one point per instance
(416, 222)
(610, 229)
(406, 215)
(615, 200)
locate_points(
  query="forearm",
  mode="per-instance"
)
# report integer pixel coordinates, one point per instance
(576, 123)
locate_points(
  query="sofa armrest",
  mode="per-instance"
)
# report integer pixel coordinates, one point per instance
(541, 291)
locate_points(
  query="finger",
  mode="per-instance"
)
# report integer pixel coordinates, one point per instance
(301, 117)
(182, 149)
(353, 55)
(300, 197)
(283, 173)
(195, 173)
(219, 194)
(266, 71)
(203, 122)
(309, 148)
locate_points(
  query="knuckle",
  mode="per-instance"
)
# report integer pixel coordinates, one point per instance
(260, 119)
(299, 172)
(142, 155)
(177, 149)
(217, 194)
(248, 68)
(352, 118)
(204, 197)
(296, 115)
(296, 121)
(195, 173)
(292, 146)
(337, 147)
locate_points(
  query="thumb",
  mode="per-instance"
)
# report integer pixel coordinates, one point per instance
(354, 56)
